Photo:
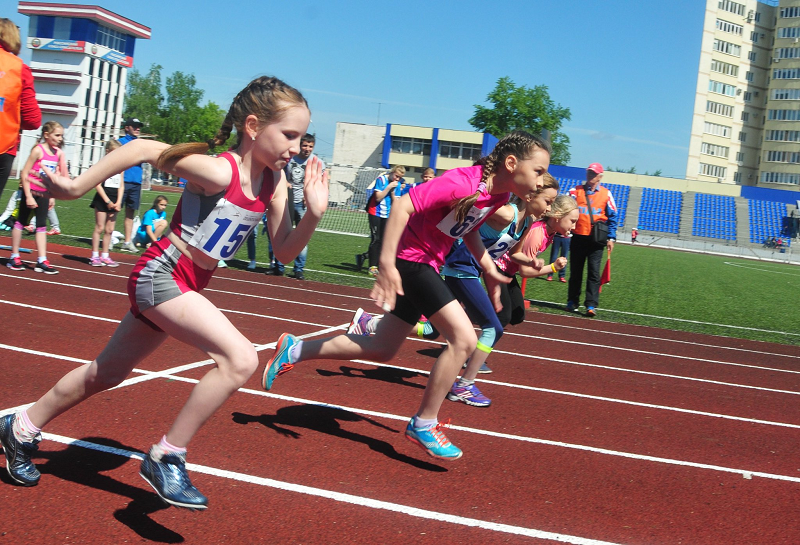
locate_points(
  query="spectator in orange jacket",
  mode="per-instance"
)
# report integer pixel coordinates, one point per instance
(20, 110)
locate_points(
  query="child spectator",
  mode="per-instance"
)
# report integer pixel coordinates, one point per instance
(36, 199)
(106, 203)
(153, 223)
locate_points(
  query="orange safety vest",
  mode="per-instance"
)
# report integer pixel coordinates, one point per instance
(599, 200)
(10, 92)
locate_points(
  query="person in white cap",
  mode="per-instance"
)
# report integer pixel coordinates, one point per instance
(597, 206)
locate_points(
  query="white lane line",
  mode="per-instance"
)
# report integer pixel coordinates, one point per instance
(552, 303)
(661, 354)
(169, 374)
(650, 338)
(342, 497)
(760, 269)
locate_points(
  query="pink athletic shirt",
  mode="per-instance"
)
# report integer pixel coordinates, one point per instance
(48, 161)
(431, 231)
(536, 242)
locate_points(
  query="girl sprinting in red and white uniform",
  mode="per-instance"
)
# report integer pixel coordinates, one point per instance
(224, 200)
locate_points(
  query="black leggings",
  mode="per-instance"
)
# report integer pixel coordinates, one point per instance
(25, 213)
(376, 227)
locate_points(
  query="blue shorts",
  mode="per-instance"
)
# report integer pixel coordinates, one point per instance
(130, 199)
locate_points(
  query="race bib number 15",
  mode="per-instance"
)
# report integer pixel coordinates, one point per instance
(224, 230)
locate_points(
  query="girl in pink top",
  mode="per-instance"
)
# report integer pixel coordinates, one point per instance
(422, 227)
(224, 200)
(35, 198)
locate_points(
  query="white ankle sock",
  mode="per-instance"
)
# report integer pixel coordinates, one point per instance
(24, 430)
(422, 423)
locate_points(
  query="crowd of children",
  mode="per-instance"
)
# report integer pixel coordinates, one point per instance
(432, 244)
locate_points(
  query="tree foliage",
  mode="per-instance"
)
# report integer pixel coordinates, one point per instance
(177, 117)
(531, 110)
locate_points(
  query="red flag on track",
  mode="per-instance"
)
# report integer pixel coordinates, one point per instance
(605, 278)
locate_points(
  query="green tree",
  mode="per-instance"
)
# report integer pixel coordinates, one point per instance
(143, 97)
(527, 109)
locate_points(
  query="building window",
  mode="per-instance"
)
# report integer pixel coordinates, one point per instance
(61, 28)
(742, 136)
(727, 48)
(745, 116)
(754, 37)
(458, 150)
(717, 130)
(748, 96)
(414, 146)
(713, 170)
(748, 76)
(728, 27)
(721, 88)
(733, 7)
(782, 136)
(719, 109)
(786, 73)
(111, 38)
(783, 115)
(725, 68)
(780, 178)
(713, 149)
(752, 56)
(740, 156)
(786, 94)
(789, 32)
(789, 13)
(737, 177)
(783, 157)
(787, 53)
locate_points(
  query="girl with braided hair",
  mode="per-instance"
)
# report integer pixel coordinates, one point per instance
(223, 201)
(423, 225)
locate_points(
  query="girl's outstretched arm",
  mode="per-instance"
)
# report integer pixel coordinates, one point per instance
(388, 284)
(491, 276)
(287, 243)
(131, 154)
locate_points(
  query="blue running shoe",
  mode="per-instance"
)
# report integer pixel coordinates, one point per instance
(484, 370)
(18, 454)
(433, 441)
(572, 307)
(279, 364)
(591, 312)
(470, 395)
(359, 325)
(169, 479)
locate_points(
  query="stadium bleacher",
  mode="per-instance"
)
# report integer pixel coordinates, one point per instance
(660, 210)
(714, 217)
(766, 221)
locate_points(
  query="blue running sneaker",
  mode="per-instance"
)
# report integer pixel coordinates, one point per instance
(18, 454)
(279, 364)
(169, 479)
(484, 370)
(359, 325)
(591, 312)
(470, 395)
(433, 441)
(572, 307)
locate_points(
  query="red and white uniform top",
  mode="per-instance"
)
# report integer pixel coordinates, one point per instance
(219, 224)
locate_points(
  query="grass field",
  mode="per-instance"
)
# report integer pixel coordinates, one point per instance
(676, 290)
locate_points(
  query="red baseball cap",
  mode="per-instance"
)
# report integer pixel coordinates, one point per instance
(597, 168)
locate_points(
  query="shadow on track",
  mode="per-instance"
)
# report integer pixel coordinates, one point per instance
(326, 420)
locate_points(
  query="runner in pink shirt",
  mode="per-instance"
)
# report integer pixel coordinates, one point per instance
(422, 227)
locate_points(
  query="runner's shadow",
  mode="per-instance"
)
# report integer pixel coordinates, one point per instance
(85, 466)
(349, 267)
(384, 374)
(76, 258)
(326, 420)
(432, 352)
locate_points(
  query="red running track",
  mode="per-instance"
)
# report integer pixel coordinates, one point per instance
(598, 432)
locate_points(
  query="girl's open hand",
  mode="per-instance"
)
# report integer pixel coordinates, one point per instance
(315, 187)
(388, 286)
(493, 279)
(59, 187)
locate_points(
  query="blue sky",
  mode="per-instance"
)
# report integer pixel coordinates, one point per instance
(626, 69)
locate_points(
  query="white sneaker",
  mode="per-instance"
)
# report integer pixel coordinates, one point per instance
(222, 264)
(129, 247)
